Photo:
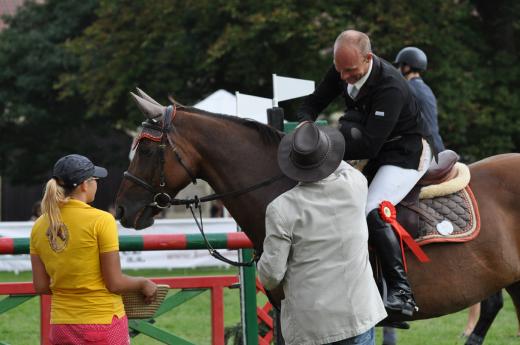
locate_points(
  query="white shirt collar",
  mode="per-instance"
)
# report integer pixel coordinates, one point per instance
(359, 84)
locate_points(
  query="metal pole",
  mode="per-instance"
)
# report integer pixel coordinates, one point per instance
(275, 98)
(248, 299)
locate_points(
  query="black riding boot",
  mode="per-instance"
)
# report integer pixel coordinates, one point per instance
(399, 297)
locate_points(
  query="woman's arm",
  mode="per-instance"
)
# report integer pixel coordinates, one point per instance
(117, 282)
(41, 279)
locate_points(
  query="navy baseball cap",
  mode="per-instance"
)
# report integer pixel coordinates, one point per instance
(73, 169)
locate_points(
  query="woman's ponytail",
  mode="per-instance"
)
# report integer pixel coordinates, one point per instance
(53, 198)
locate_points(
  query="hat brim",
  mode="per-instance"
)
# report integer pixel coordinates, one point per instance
(100, 172)
(331, 163)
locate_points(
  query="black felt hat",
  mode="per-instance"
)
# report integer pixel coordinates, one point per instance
(311, 153)
(73, 169)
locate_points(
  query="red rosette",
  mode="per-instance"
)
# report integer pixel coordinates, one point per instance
(388, 213)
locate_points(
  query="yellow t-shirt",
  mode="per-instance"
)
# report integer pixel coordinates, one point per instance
(71, 259)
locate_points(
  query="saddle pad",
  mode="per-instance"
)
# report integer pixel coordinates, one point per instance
(449, 218)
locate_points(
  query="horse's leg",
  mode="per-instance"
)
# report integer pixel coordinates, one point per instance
(489, 309)
(514, 291)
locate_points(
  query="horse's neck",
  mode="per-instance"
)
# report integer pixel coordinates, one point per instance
(234, 157)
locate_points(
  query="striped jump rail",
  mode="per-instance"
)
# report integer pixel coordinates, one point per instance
(149, 242)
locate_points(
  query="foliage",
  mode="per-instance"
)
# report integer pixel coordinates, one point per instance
(36, 124)
(67, 67)
(235, 45)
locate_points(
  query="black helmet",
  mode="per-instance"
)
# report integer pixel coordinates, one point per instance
(413, 57)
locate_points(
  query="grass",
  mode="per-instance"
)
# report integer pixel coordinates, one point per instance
(191, 321)
(446, 330)
(20, 326)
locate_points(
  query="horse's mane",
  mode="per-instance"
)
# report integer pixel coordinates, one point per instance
(268, 134)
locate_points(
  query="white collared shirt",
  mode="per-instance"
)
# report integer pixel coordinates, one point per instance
(359, 84)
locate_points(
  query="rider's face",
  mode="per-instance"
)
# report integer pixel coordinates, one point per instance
(350, 63)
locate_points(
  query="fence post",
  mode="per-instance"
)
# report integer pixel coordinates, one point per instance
(217, 315)
(248, 299)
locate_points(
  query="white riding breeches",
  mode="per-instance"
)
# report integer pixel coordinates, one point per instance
(392, 183)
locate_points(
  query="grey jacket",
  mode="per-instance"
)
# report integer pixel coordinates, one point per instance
(316, 246)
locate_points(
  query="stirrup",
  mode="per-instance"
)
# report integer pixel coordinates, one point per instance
(408, 305)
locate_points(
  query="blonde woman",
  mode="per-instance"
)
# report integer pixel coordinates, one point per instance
(75, 257)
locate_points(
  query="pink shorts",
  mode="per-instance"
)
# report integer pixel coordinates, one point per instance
(115, 333)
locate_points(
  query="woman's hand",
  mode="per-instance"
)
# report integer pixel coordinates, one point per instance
(149, 290)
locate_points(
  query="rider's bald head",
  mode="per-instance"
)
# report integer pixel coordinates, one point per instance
(353, 39)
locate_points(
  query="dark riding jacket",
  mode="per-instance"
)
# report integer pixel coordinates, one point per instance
(428, 104)
(383, 123)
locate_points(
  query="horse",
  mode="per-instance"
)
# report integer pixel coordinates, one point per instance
(180, 144)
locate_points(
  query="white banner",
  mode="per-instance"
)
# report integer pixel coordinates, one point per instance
(136, 260)
(253, 107)
(285, 88)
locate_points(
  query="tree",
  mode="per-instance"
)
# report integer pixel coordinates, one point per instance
(37, 124)
(69, 65)
(191, 48)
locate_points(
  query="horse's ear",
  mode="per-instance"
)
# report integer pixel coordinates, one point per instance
(142, 94)
(174, 101)
(149, 109)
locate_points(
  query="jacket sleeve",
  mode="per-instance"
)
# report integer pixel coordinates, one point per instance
(313, 104)
(277, 245)
(365, 141)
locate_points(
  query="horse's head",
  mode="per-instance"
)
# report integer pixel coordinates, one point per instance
(158, 148)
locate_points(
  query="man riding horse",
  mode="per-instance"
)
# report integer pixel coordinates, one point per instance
(384, 124)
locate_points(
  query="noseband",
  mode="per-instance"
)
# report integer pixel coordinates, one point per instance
(161, 197)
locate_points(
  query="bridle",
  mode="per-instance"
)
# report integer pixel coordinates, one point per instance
(161, 197)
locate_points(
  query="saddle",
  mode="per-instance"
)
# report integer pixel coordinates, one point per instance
(440, 170)
(441, 207)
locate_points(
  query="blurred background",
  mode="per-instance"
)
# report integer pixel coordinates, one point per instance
(66, 69)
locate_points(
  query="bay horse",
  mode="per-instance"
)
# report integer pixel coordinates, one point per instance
(179, 144)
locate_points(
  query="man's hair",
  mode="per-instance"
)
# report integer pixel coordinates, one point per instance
(355, 38)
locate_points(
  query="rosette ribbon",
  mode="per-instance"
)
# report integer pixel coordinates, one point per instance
(388, 214)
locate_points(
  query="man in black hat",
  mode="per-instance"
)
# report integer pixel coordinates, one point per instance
(316, 244)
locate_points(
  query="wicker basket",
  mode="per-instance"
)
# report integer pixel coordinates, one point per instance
(135, 307)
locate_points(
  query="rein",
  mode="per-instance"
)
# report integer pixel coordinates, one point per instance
(164, 200)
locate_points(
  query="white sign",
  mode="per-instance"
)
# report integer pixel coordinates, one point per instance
(285, 88)
(253, 107)
(135, 260)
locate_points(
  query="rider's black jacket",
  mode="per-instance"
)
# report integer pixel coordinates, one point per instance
(383, 124)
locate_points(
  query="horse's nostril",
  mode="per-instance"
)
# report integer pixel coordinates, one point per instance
(119, 212)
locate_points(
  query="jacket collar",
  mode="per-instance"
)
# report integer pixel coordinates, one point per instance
(376, 70)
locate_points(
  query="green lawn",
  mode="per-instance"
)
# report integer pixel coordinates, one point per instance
(20, 326)
(191, 321)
